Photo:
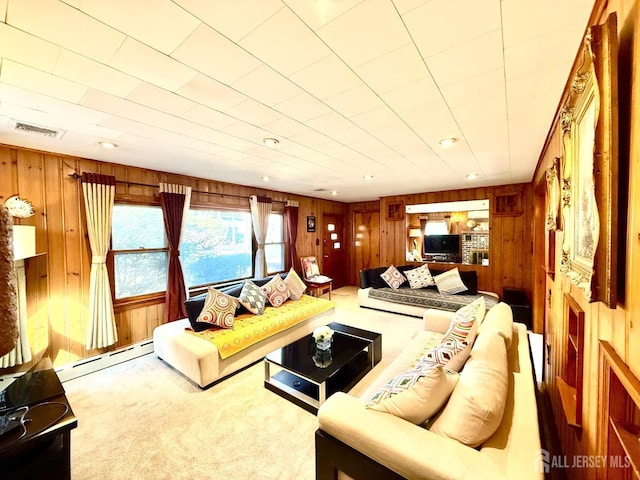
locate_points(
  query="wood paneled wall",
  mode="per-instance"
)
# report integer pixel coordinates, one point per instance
(510, 244)
(45, 179)
(619, 326)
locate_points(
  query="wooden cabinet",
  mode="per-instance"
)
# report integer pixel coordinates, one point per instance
(570, 382)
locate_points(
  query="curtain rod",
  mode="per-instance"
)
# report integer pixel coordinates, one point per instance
(76, 176)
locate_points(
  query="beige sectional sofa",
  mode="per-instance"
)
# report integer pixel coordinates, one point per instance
(354, 441)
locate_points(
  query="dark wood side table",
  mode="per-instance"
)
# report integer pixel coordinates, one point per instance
(319, 289)
(44, 452)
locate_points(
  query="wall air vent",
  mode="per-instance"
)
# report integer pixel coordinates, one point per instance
(27, 128)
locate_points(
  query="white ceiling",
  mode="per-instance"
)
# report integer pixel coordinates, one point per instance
(348, 87)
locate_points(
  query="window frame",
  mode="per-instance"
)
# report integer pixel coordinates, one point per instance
(283, 243)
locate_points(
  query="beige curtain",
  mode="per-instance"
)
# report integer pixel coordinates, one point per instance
(260, 210)
(99, 192)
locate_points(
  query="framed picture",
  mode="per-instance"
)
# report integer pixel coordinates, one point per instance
(590, 170)
(311, 223)
(395, 211)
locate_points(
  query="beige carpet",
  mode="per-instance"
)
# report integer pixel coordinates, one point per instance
(143, 420)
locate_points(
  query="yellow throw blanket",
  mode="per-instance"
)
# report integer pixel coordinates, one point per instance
(249, 329)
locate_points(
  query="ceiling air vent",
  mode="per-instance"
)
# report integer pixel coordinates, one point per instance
(319, 189)
(47, 132)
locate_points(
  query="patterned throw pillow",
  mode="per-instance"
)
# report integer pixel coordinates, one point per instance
(296, 286)
(466, 321)
(276, 290)
(443, 354)
(399, 383)
(393, 277)
(421, 400)
(219, 309)
(420, 277)
(253, 298)
(450, 282)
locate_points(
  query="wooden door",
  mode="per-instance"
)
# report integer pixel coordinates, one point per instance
(334, 257)
(366, 245)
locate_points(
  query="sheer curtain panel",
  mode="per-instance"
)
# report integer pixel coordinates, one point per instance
(291, 217)
(99, 193)
(260, 210)
(175, 200)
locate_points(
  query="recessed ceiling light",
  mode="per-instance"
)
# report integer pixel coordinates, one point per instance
(472, 176)
(334, 192)
(270, 142)
(368, 177)
(265, 178)
(108, 145)
(447, 142)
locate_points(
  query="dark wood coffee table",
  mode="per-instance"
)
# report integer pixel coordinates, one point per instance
(307, 377)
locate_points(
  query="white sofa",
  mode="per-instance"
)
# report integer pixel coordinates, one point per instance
(354, 441)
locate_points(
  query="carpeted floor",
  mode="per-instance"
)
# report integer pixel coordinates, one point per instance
(143, 420)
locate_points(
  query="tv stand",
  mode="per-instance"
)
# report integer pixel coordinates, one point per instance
(441, 257)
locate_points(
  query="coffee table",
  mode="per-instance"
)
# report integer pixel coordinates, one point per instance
(307, 377)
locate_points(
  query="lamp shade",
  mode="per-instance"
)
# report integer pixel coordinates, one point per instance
(24, 241)
(415, 232)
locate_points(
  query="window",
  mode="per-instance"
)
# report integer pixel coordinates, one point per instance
(274, 243)
(216, 246)
(140, 250)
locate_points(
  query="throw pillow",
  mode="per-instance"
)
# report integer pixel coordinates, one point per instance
(276, 291)
(419, 277)
(219, 309)
(423, 399)
(464, 327)
(444, 354)
(476, 406)
(253, 298)
(296, 286)
(450, 282)
(393, 277)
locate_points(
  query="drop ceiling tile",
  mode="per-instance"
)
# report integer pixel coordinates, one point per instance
(27, 49)
(311, 138)
(155, 97)
(404, 6)
(205, 147)
(67, 27)
(215, 55)
(3, 10)
(435, 29)
(488, 84)
(285, 127)
(167, 27)
(481, 55)
(40, 82)
(246, 131)
(145, 63)
(208, 117)
(373, 119)
(317, 14)
(145, 131)
(93, 74)
(302, 107)
(355, 101)
(329, 123)
(205, 134)
(237, 144)
(285, 43)
(433, 120)
(350, 135)
(326, 78)
(413, 95)
(367, 31)
(232, 18)
(207, 91)
(133, 111)
(266, 86)
(393, 70)
(253, 112)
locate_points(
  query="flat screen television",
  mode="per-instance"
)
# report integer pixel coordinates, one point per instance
(442, 244)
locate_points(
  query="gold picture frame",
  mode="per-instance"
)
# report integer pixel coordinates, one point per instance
(588, 119)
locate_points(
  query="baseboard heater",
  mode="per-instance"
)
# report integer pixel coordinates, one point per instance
(93, 364)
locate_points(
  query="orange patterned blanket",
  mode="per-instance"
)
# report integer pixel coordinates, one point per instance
(249, 329)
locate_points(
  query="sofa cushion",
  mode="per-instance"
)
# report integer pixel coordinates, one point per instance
(419, 277)
(393, 277)
(253, 298)
(474, 410)
(450, 282)
(276, 290)
(420, 399)
(499, 319)
(219, 309)
(296, 286)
